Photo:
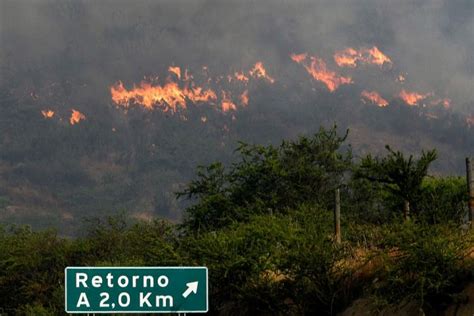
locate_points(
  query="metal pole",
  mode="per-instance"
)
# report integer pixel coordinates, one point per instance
(470, 188)
(337, 217)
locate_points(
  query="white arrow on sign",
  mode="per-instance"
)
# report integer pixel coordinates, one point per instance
(192, 288)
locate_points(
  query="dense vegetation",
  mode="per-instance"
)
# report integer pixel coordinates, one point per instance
(263, 226)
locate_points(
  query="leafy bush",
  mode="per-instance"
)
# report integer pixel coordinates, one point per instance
(244, 264)
(32, 269)
(322, 278)
(423, 263)
(442, 200)
(368, 202)
(115, 241)
(437, 200)
(275, 264)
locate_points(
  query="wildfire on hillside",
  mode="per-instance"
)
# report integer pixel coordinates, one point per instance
(258, 71)
(412, 98)
(76, 117)
(317, 68)
(244, 98)
(228, 92)
(351, 57)
(169, 97)
(374, 97)
(175, 93)
(226, 103)
(239, 75)
(175, 70)
(47, 113)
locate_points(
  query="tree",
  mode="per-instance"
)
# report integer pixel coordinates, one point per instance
(400, 175)
(268, 180)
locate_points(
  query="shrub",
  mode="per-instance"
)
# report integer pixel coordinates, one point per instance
(244, 264)
(424, 263)
(322, 278)
(32, 269)
(275, 264)
(442, 200)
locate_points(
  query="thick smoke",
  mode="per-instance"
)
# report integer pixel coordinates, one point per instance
(99, 42)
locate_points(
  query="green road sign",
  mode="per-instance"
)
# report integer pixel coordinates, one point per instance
(136, 290)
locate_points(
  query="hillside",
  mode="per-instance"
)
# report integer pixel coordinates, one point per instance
(54, 173)
(106, 109)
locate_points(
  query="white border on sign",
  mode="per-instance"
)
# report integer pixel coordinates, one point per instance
(136, 312)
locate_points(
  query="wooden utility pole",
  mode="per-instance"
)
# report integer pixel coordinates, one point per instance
(470, 188)
(337, 217)
(406, 210)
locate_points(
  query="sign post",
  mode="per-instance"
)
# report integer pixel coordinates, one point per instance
(136, 290)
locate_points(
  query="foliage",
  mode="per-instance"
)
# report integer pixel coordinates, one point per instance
(244, 261)
(439, 200)
(32, 263)
(442, 200)
(32, 268)
(270, 264)
(423, 263)
(274, 264)
(365, 201)
(267, 180)
(264, 228)
(400, 175)
(320, 279)
(114, 241)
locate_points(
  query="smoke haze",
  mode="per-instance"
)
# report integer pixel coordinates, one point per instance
(99, 42)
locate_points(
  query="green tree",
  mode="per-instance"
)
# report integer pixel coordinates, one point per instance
(268, 180)
(400, 175)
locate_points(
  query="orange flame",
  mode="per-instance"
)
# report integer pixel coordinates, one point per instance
(169, 97)
(374, 97)
(258, 71)
(227, 103)
(470, 120)
(175, 70)
(412, 98)
(244, 98)
(319, 71)
(76, 117)
(298, 58)
(47, 114)
(349, 57)
(377, 57)
(241, 77)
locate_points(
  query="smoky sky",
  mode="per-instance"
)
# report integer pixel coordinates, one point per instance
(99, 42)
